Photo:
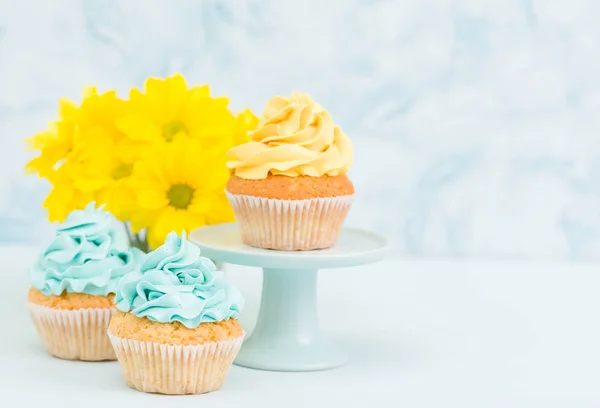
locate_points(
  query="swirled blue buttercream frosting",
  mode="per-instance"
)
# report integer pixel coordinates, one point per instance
(84, 256)
(176, 283)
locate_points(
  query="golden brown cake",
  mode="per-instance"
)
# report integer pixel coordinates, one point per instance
(73, 284)
(289, 189)
(128, 325)
(292, 188)
(176, 330)
(71, 301)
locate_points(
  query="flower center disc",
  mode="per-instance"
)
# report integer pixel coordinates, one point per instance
(180, 196)
(171, 129)
(122, 170)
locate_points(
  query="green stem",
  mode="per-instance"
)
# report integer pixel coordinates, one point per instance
(129, 234)
(143, 243)
(136, 240)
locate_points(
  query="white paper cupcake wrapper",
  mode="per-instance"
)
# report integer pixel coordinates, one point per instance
(290, 225)
(74, 334)
(175, 369)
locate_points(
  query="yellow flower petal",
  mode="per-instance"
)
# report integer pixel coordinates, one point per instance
(138, 128)
(199, 92)
(41, 139)
(140, 220)
(151, 170)
(152, 199)
(64, 197)
(175, 95)
(57, 203)
(120, 200)
(220, 211)
(91, 185)
(66, 109)
(51, 154)
(172, 220)
(89, 91)
(247, 119)
(200, 205)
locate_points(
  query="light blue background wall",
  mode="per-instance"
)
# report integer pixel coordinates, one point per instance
(475, 121)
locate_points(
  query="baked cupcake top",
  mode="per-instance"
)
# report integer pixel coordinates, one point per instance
(176, 283)
(295, 137)
(83, 257)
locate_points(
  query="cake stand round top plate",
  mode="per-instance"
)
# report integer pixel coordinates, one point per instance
(354, 247)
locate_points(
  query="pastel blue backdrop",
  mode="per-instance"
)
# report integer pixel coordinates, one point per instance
(475, 122)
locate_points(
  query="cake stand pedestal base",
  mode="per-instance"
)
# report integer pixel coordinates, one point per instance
(287, 336)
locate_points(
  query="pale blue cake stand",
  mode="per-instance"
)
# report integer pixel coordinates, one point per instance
(287, 336)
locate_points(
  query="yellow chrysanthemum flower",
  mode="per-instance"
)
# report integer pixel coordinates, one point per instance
(179, 186)
(157, 160)
(78, 149)
(55, 143)
(103, 168)
(63, 136)
(167, 108)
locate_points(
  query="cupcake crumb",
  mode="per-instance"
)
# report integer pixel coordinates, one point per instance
(129, 326)
(292, 188)
(70, 301)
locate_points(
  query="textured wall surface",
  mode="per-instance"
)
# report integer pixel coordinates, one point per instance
(475, 122)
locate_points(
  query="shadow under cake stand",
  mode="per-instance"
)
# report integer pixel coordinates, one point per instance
(287, 336)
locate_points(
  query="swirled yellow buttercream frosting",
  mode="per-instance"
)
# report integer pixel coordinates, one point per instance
(295, 137)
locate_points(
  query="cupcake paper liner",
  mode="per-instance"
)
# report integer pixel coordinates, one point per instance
(175, 369)
(74, 334)
(291, 225)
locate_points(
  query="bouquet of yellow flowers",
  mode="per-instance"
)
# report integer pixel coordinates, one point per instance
(156, 160)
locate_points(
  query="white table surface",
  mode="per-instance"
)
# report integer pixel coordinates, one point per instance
(420, 334)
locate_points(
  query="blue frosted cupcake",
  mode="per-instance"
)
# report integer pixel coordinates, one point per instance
(176, 330)
(73, 284)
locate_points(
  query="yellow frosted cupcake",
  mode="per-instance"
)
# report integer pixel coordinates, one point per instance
(289, 188)
(177, 330)
(73, 284)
